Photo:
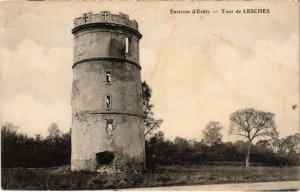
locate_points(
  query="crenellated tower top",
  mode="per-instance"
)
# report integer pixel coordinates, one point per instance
(105, 18)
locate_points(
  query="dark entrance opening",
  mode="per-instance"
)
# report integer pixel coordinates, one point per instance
(104, 158)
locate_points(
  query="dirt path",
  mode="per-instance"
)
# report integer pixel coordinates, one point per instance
(281, 185)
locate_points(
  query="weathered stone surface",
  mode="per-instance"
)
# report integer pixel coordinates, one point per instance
(116, 131)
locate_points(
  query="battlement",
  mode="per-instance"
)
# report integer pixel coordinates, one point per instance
(105, 17)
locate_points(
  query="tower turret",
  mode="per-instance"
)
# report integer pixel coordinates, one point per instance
(107, 116)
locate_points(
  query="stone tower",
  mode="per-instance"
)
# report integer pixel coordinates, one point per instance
(107, 115)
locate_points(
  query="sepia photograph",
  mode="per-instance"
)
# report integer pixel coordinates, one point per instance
(150, 95)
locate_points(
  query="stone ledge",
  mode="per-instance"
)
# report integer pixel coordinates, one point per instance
(107, 59)
(117, 113)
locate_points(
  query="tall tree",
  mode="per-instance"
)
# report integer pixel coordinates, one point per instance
(293, 142)
(151, 123)
(289, 144)
(8, 128)
(54, 131)
(212, 135)
(9, 144)
(251, 124)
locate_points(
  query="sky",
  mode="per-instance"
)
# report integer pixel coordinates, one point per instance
(201, 67)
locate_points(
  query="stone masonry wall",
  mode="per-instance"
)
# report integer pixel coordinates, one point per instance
(90, 137)
(107, 138)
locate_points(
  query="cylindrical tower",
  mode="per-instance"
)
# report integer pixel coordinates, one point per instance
(107, 115)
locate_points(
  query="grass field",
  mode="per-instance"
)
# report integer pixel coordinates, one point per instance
(63, 179)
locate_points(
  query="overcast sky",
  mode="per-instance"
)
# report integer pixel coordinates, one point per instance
(201, 67)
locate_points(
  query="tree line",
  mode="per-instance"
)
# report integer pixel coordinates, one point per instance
(20, 150)
(181, 151)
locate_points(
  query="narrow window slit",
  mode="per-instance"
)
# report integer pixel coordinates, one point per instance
(108, 102)
(127, 42)
(108, 77)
